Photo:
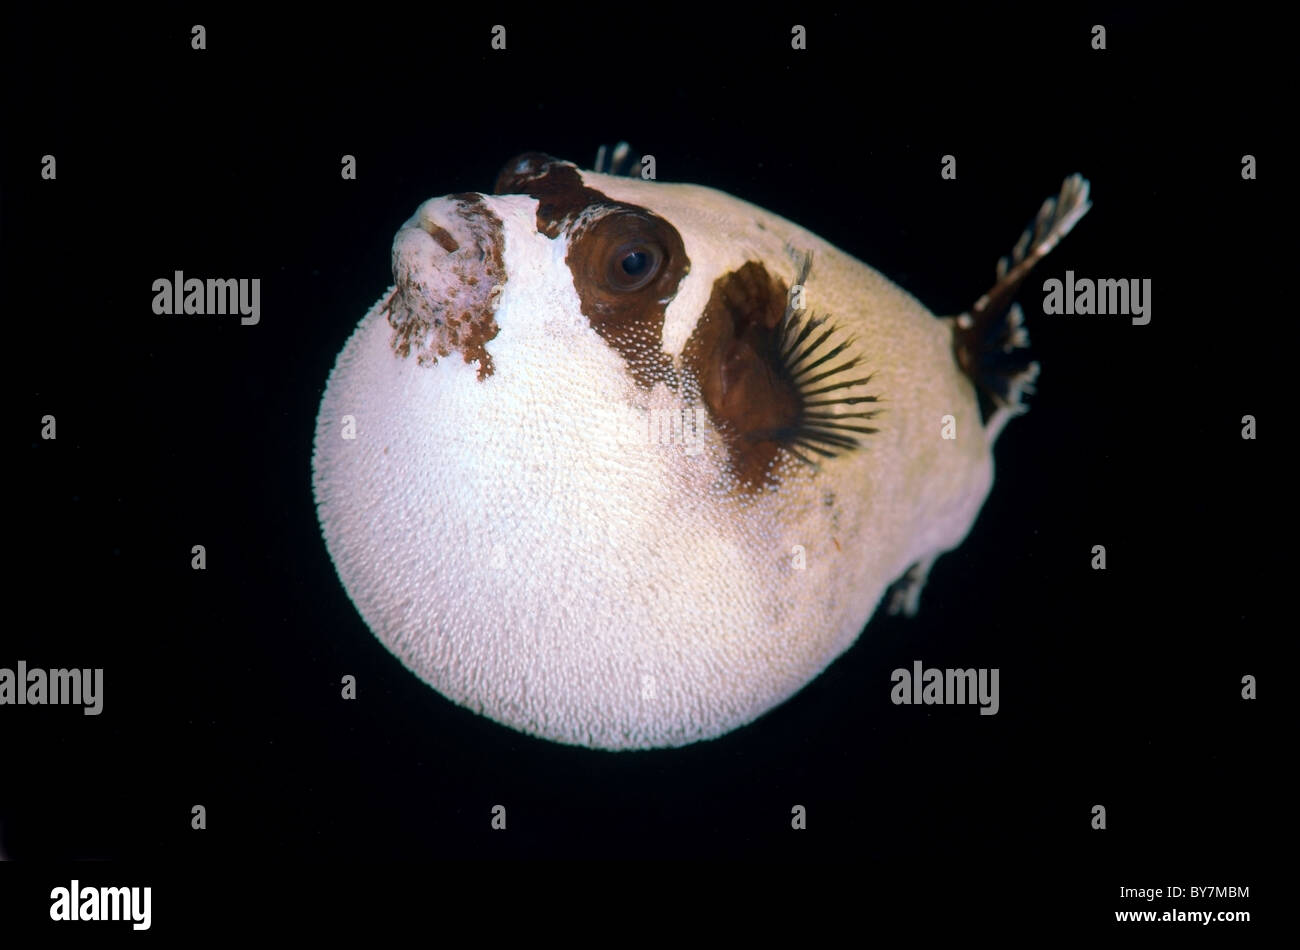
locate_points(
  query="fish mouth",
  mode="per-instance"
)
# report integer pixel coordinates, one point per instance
(449, 268)
(441, 236)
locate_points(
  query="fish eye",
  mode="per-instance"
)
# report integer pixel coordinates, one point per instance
(633, 265)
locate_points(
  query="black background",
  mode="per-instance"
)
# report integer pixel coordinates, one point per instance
(1119, 688)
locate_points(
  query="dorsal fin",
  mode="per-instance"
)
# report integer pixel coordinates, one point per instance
(618, 160)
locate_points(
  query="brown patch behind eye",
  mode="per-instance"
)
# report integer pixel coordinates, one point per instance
(773, 378)
(734, 356)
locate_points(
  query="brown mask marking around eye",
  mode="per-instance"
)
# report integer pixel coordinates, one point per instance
(557, 186)
(630, 321)
(768, 381)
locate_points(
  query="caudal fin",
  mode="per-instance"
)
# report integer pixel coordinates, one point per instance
(989, 339)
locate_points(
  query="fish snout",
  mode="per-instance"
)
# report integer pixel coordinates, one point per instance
(448, 232)
(449, 268)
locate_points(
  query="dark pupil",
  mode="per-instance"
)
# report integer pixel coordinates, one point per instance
(634, 264)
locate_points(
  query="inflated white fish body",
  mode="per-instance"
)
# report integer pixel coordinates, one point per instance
(625, 464)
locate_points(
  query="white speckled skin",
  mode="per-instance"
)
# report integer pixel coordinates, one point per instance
(519, 550)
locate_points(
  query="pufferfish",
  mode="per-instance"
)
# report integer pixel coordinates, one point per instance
(625, 464)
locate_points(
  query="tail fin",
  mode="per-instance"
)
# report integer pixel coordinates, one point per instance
(987, 338)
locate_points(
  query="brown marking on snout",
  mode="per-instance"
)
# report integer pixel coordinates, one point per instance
(735, 356)
(456, 312)
(627, 314)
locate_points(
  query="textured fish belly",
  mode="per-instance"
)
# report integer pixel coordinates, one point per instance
(556, 646)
